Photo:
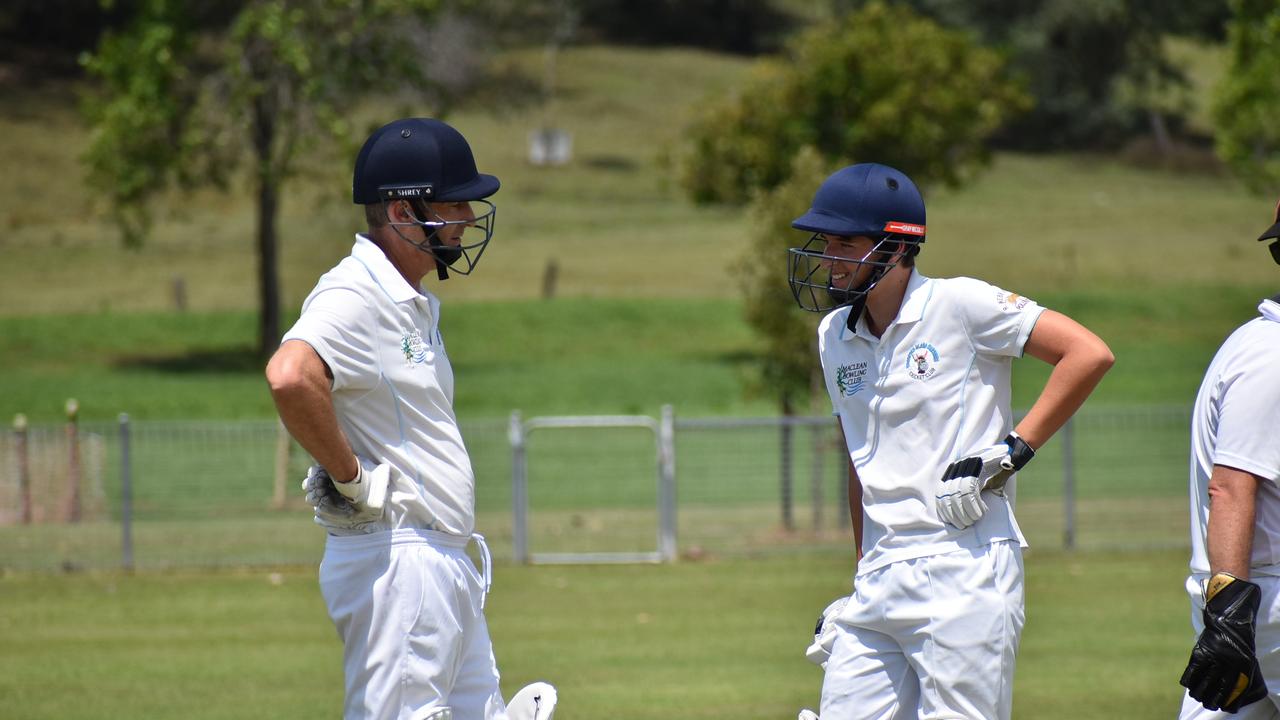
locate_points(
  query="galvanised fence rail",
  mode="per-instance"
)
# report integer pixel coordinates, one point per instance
(181, 494)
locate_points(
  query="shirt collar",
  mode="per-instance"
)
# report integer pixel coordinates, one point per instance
(911, 310)
(1270, 309)
(382, 271)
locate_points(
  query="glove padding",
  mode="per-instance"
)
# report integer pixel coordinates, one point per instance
(350, 504)
(1223, 672)
(824, 634)
(959, 496)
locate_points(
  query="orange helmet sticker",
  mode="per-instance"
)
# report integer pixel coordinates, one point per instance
(904, 228)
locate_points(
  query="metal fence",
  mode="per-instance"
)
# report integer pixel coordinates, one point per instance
(173, 494)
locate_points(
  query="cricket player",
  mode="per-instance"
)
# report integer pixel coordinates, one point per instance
(1235, 524)
(918, 370)
(363, 383)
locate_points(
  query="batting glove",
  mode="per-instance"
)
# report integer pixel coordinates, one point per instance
(349, 504)
(959, 496)
(824, 634)
(1223, 672)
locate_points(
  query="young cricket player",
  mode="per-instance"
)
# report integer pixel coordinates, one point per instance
(918, 370)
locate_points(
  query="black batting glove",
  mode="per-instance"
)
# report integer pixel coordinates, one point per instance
(1223, 672)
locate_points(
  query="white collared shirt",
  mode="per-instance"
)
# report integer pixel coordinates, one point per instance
(1236, 423)
(392, 386)
(933, 389)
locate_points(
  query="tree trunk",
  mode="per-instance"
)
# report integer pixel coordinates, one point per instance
(264, 131)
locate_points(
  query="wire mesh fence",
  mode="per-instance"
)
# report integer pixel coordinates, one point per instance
(226, 493)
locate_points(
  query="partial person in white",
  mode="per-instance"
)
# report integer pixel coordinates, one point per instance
(363, 383)
(919, 374)
(1234, 584)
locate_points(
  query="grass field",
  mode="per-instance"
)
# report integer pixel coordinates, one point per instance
(1106, 636)
(646, 312)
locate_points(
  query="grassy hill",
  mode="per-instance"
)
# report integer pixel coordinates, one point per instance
(1161, 264)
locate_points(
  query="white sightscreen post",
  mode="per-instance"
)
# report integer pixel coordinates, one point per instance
(667, 485)
(519, 489)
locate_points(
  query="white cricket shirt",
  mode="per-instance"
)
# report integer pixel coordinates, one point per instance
(1236, 423)
(393, 387)
(933, 389)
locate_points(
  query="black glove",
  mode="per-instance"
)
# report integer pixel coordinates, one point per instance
(1223, 673)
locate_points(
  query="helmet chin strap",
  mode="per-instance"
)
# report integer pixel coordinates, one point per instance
(443, 255)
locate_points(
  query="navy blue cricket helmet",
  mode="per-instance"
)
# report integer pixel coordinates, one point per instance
(864, 200)
(423, 161)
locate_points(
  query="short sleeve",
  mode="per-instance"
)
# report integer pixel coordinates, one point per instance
(1249, 419)
(338, 325)
(998, 321)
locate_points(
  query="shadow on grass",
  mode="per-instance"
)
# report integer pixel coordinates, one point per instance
(243, 359)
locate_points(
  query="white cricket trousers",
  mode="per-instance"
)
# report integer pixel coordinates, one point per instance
(1268, 651)
(408, 606)
(929, 638)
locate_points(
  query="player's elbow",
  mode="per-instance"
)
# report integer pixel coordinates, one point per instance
(1094, 357)
(285, 376)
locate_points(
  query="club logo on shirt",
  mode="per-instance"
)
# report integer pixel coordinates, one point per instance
(850, 378)
(922, 361)
(415, 351)
(1011, 300)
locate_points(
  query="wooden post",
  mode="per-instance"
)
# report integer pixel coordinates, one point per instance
(24, 465)
(283, 443)
(72, 513)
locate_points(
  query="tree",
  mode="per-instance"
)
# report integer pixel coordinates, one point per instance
(1248, 100)
(184, 104)
(1097, 68)
(882, 85)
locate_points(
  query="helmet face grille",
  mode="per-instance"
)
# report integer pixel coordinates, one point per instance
(809, 273)
(463, 257)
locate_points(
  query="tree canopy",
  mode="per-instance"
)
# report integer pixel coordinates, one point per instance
(181, 103)
(883, 83)
(1247, 103)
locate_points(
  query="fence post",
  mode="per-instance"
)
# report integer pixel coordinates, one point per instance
(72, 509)
(785, 463)
(519, 489)
(126, 495)
(667, 489)
(1069, 485)
(24, 465)
(819, 450)
(283, 444)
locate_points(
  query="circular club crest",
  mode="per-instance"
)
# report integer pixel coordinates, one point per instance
(922, 361)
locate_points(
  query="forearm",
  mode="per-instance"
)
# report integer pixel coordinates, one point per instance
(299, 383)
(310, 419)
(1232, 508)
(1072, 381)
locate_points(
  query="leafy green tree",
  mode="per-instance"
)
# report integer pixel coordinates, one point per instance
(882, 83)
(789, 364)
(1248, 100)
(1097, 69)
(183, 104)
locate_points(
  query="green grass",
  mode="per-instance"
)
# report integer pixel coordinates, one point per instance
(716, 639)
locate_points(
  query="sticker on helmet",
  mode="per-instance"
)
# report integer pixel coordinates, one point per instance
(903, 228)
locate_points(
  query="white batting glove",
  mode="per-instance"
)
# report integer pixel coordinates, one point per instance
(959, 496)
(824, 634)
(349, 504)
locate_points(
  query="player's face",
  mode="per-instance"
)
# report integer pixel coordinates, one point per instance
(459, 215)
(844, 256)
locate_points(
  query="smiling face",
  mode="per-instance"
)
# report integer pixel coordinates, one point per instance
(845, 258)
